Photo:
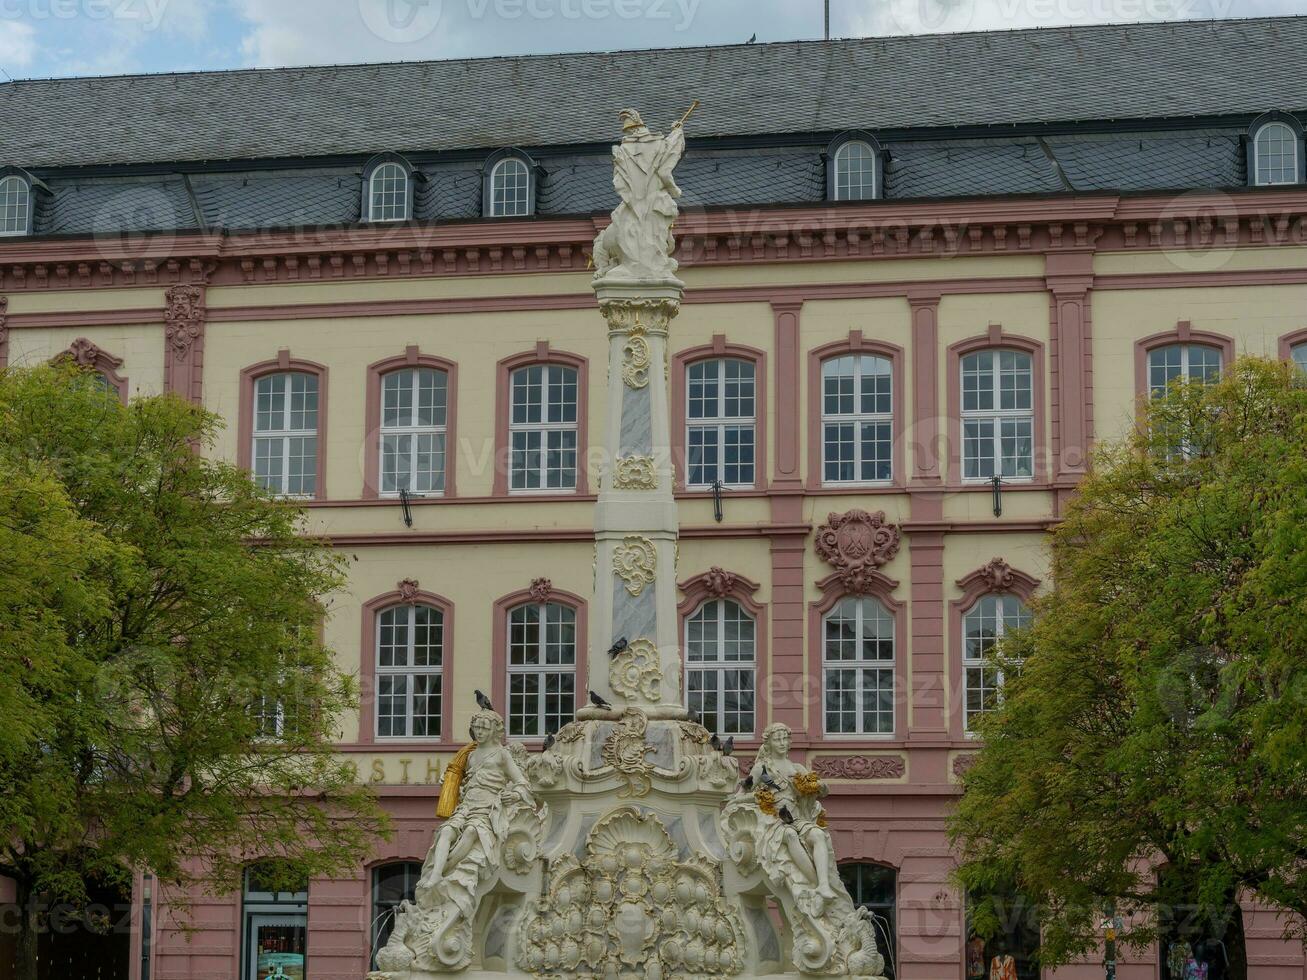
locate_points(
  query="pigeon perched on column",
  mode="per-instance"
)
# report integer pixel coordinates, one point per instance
(599, 702)
(618, 646)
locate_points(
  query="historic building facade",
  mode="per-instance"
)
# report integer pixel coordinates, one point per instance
(887, 307)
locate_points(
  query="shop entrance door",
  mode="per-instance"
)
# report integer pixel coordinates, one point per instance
(276, 946)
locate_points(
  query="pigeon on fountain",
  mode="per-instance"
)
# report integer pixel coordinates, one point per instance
(728, 747)
(599, 702)
(715, 742)
(617, 647)
(549, 742)
(483, 702)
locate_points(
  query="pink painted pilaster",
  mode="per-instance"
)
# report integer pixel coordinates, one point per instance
(184, 320)
(4, 331)
(787, 685)
(1070, 278)
(929, 676)
(788, 365)
(925, 386)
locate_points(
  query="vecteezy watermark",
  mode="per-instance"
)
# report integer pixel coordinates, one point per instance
(401, 21)
(409, 21)
(148, 13)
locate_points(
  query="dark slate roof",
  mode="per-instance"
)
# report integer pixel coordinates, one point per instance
(1051, 75)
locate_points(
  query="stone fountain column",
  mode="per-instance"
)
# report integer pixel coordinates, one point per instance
(635, 518)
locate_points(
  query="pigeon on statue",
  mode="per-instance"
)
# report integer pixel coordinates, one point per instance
(767, 780)
(599, 702)
(617, 647)
(483, 702)
(549, 742)
(728, 747)
(715, 742)
(785, 815)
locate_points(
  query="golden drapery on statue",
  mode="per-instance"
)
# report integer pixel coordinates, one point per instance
(451, 781)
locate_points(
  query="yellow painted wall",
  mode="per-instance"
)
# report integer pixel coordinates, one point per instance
(139, 346)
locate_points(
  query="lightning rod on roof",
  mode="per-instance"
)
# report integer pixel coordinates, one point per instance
(827, 20)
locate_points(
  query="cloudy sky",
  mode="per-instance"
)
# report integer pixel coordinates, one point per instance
(77, 37)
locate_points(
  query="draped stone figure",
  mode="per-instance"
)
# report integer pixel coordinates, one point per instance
(776, 825)
(638, 245)
(494, 825)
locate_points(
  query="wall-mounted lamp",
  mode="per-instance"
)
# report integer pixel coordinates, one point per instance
(403, 501)
(997, 483)
(717, 512)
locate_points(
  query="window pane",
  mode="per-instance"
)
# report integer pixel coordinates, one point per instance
(388, 191)
(978, 449)
(510, 184)
(855, 172)
(15, 203)
(1277, 154)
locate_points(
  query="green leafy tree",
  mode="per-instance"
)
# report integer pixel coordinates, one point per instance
(1151, 750)
(168, 704)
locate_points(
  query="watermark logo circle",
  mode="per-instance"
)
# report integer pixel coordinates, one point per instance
(930, 16)
(401, 21)
(1202, 216)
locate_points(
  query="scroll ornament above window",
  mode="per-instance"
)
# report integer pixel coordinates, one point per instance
(857, 544)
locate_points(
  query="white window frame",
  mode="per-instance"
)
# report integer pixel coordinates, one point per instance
(285, 434)
(722, 423)
(861, 606)
(716, 666)
(1263, 131)
(410, 670)
(866, 184)
(857, 418)
(996, 415)
(1186, 367)
(499, 181)
(540, 484)
(415, 432)
(393, 174)
(1022, 616)
(15, 195)
(542, 669)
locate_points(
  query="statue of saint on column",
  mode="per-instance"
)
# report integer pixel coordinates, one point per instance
(638, 245)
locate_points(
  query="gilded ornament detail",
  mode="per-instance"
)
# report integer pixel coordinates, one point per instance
(635, 358)
(634, 673)
(626, 750)
(635, 562)
(635, 473)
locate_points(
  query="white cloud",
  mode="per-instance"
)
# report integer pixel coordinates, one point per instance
(17, 44)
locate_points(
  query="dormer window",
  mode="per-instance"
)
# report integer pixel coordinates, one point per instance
(509, 190)
(853, 168)
(15, 205)
(1275, 151)
(387, 189)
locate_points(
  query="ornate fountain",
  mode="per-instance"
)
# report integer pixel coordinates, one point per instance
(631, 846)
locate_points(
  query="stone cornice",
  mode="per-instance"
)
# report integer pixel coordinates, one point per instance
(1194, 222)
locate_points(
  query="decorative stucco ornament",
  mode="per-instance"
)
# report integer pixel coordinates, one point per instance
(778, 828)
(634, 673)
(627, 752)
(635, 473)
(497, 827)
(635, 562)
(857, 543)
(633, 907)
(635, 358)
(638, 244)
(184, 316)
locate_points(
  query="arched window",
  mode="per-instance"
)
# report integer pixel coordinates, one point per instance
(997, 415)
(391, 884)
(857, 419)
(720, 419)
(1275, 154)
(276, 923)
(855, 172)
(1194, 362)
(721, 659)
(858, 667)
(510, 188)
(875, 887)
(983, 626)
(15, 205)
(409, 671)
(1298, 354)
(543, 428)
(414, 413)
(285, 437)
(388, 183)
(541, 668)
